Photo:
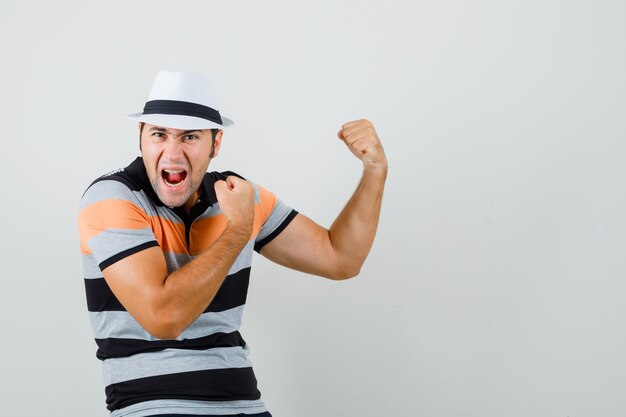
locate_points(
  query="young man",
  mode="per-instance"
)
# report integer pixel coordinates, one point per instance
(167, 250)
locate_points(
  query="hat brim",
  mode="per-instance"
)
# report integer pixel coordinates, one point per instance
(175, 121)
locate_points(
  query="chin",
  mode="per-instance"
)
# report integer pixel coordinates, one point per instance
(171, 201)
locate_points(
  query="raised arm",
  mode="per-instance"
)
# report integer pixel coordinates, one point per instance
(165, 304)
(339, 252)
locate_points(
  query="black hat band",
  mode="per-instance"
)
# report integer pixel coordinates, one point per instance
(183, 108)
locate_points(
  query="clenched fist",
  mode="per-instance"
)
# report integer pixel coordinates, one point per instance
(362, 140)
(236, 198)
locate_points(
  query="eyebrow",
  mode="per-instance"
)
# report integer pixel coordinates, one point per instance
(162, 129)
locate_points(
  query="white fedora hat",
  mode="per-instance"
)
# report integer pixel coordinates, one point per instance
(182, 100)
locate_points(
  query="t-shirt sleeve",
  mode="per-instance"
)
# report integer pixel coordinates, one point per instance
(275, 216)
(112, 224)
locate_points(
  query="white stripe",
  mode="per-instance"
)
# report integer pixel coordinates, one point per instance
(276, 218)
(244, 260)
(114, 241)
(173, 361)
(120, 324)
(212, 211)
(91, 270)
(176, 261)
(148, 408)
(107, 190)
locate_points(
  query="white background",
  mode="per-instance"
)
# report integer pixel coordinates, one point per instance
(496, 283)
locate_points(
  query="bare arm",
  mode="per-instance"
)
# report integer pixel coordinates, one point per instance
(165, 304)
(339, 252)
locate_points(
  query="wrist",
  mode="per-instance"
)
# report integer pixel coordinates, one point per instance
(379, 168)
(240, 230)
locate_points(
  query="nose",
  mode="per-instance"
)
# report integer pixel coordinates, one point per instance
(173, 150)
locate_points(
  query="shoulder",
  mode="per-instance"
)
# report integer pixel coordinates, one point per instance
(118, 188)
(119, 184)
(106, 189)
(111, 204)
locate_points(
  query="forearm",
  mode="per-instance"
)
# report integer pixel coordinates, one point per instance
(187, 292)
(352, 233)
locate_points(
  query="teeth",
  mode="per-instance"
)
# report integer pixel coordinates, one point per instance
(171, 183)
(174, 171)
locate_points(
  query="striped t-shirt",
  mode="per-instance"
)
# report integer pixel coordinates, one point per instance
(206, 369)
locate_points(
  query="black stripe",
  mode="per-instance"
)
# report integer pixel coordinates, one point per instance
(100, 297)
(184, 108)
(225, 174)
(127, 252)
(267, 239)
(232, 293)
(121, 348)
(211, 385)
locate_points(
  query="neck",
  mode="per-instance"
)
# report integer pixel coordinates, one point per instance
(193, 199)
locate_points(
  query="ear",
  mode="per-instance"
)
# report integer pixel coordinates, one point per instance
(139, 126)
(217, 143)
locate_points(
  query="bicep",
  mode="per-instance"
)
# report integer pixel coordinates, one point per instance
(304, 246)
(136, 281)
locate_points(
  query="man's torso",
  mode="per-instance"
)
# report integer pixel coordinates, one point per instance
(206, 368)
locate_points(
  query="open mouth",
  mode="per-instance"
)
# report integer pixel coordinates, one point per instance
(173, 177)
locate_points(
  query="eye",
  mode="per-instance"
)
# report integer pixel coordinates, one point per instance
(157, 134)
(190, 137)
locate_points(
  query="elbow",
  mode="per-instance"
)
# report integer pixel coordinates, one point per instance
(164, 324)
(163, 332)
(345, 272)
(344, 264)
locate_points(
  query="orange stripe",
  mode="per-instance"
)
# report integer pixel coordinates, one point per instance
(206, 231)
(122, 214)
(107, 214)
(258, 221)
(169, 234)
(268, 201)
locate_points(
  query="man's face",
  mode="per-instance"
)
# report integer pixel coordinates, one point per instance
(176, 161)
